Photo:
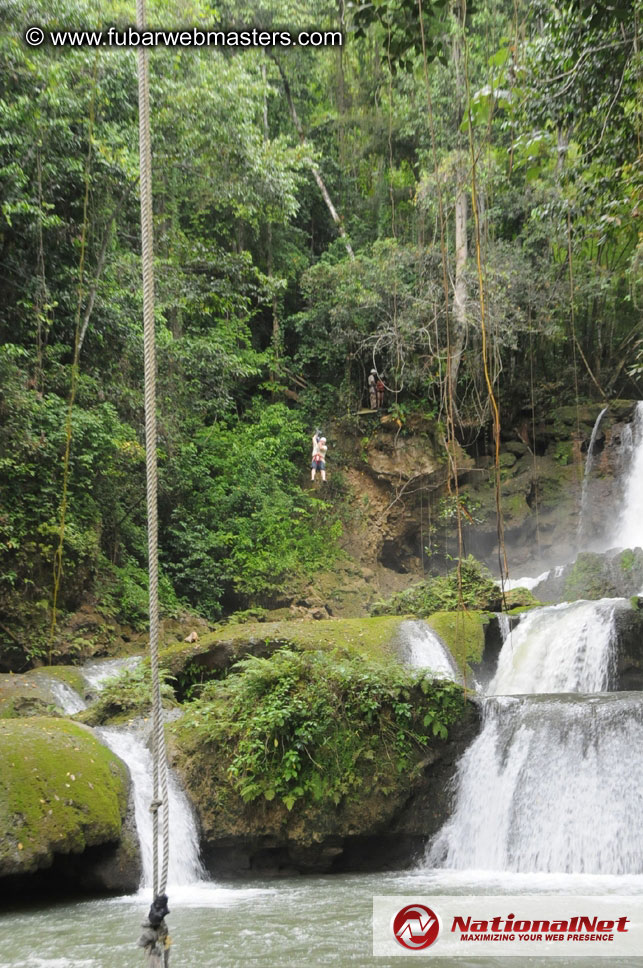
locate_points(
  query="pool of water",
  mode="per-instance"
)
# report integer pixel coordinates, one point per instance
(301, 922)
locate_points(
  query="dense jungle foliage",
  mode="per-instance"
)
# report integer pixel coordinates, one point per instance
(485, 162)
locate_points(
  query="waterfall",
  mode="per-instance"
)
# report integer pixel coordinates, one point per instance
(550, 784)
(98, 672)
(66, 697)
(525, 582)
(185, 866)
(504, 624)
(589, 465)
(128, 743)
(559, 648)
(553, 782)
(422, 648)
(628, 532)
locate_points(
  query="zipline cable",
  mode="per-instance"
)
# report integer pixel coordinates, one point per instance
(155, 939)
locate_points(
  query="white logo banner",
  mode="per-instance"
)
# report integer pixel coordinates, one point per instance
(533, 925)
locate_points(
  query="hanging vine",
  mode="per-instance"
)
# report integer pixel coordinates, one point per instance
(502, 554)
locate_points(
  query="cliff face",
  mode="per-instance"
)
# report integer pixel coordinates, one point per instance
(405, 523)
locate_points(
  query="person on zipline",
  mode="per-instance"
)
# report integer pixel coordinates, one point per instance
(319, 459)
(372, 389)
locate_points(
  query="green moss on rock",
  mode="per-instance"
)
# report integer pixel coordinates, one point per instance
(60, 792)
(472, 587)
(208, 657)
(519, 598)
(587, 578)
(463, 633)
(304, 749)
(127, 696)
(507, 459)
(32, 693)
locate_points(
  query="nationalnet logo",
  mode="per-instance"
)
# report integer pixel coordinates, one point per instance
(532, 925)
(416, 926)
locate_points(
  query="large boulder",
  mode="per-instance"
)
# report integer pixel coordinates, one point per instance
(370, 806)
(417, 452)
(46, 691)
(629, 653)
(388, 829)
(612, 574)
(210, 656)
(63, 809)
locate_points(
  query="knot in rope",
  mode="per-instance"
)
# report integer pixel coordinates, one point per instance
(154, 937)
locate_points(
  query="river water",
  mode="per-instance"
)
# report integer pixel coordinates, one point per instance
(302, 922)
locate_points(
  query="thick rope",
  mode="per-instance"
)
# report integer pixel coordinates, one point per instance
(159, 799)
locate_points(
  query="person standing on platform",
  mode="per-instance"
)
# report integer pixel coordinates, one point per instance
(372, 389)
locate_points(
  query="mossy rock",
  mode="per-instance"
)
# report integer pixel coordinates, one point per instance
(329, 775)
(519, 599)
(61, 791)
(563, 420)
(464, 634)
(517, 447)
(593, 576)
(210, 656)
(68, 674)
(515, 508)
(34, 693)
(563, 452)
(587, 578)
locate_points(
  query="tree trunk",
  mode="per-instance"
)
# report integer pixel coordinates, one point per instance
(341, 89)
(270, 257)
(313, 167)
(562, 148)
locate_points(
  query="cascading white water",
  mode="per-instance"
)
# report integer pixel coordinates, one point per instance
(589, 466)
(553, 783)
(422, 648)
(560, 648)
(504, 624)
(185, 866)
(66, 697)
(129, 744)
(628, 532)
(98, 672)
(550, 784)
(525, 582)
(54, 690)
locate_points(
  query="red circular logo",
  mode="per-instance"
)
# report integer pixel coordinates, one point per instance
(416, 926)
